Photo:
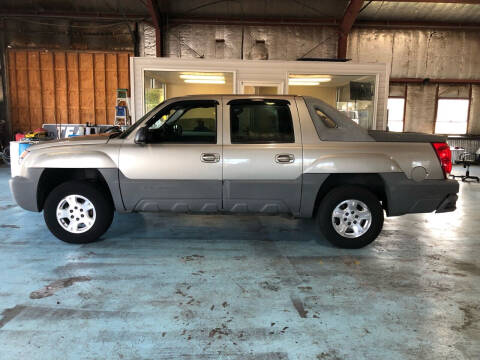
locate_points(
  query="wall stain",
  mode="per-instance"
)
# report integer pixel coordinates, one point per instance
(53, 287)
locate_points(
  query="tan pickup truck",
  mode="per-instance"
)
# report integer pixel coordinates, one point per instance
(238, 154)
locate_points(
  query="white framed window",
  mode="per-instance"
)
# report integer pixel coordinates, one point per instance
(396, 107)
(452, 116)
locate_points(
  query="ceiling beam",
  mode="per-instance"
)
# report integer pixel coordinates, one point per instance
(346, 24)
(158, 24)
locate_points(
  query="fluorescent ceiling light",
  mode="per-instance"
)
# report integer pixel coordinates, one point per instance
(312, 78)
(303, 83)
(201, 77)
(204, 81)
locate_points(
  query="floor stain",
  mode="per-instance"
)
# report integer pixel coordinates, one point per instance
(9, 226)
(470, 317)
(467, 267)
(9, 314)
(6, 207)
(192, 257)
(329, 355)
(269, 286)
(298, 304)
(53, 287)
(219, 331)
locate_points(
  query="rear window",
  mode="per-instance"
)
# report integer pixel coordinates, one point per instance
(258, 122)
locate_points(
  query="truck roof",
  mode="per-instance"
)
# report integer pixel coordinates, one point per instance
(203, 96)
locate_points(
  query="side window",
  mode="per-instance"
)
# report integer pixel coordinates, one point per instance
(260, 122)
(185, 122)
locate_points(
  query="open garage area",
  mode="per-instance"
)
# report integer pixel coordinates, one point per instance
(244, 287)
(240, 180)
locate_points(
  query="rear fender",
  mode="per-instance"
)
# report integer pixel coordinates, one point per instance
(353, 163)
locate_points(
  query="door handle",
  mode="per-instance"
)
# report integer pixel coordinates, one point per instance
(284, 158)
(210, 157)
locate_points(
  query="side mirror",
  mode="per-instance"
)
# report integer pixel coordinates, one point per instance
(141, 136)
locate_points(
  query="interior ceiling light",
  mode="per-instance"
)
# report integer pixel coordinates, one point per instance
(201, 77)
(204, 81)
(309, 78)
(303, 83)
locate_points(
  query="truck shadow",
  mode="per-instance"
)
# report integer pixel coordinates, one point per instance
(218, 227)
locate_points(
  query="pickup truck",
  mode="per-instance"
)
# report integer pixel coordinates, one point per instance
(238, 154)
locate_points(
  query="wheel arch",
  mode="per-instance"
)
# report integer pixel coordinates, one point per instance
(321, 185)
(52, 177)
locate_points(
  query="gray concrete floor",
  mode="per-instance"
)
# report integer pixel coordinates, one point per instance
(240, 287)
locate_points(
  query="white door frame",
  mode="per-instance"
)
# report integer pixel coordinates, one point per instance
(278, 84)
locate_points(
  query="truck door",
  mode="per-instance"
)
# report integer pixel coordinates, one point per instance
(262, 155)
(179, 168)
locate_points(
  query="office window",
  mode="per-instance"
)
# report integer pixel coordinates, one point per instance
(395, 108)
(452, 116)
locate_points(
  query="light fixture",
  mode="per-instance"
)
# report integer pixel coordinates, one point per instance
(308, 80)
(202, 78)
(204, 81)
(303, 83)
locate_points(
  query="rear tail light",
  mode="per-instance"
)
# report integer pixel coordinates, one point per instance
(445, 156)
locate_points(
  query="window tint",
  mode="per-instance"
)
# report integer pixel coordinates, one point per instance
(261, 122)
(185, 122)
(327, 121)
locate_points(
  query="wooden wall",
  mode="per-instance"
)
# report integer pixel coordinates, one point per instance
(64, 86)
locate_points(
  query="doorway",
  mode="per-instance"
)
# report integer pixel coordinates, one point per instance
(261, 88)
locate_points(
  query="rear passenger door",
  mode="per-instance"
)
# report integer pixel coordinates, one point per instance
(262, 155)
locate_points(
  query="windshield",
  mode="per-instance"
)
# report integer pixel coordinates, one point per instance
(137, 123)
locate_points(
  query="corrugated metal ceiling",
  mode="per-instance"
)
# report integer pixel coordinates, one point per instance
(260, 8)
(420, 11)
(377, 10)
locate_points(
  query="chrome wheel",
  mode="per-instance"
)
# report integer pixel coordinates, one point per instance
(76, 214)
(351, 218)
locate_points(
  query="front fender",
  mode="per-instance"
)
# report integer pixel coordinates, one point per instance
(72, 158)
(353, 163)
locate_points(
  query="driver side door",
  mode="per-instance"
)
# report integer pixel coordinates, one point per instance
(180, 166)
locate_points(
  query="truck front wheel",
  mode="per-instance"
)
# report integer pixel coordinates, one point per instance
(78, 212)
(350, 217)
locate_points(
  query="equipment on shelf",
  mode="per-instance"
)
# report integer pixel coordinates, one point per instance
(122, 108)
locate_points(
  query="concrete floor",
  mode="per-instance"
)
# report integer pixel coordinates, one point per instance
(240, 287)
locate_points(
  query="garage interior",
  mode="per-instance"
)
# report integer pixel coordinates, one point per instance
(175, 286)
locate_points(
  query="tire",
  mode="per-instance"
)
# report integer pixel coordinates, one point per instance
(82, 197)
(350, 235)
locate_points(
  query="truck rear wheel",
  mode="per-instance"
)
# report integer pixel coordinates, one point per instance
(78, 212)
(350, 217)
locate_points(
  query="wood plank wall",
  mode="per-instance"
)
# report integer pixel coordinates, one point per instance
(64, 87)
